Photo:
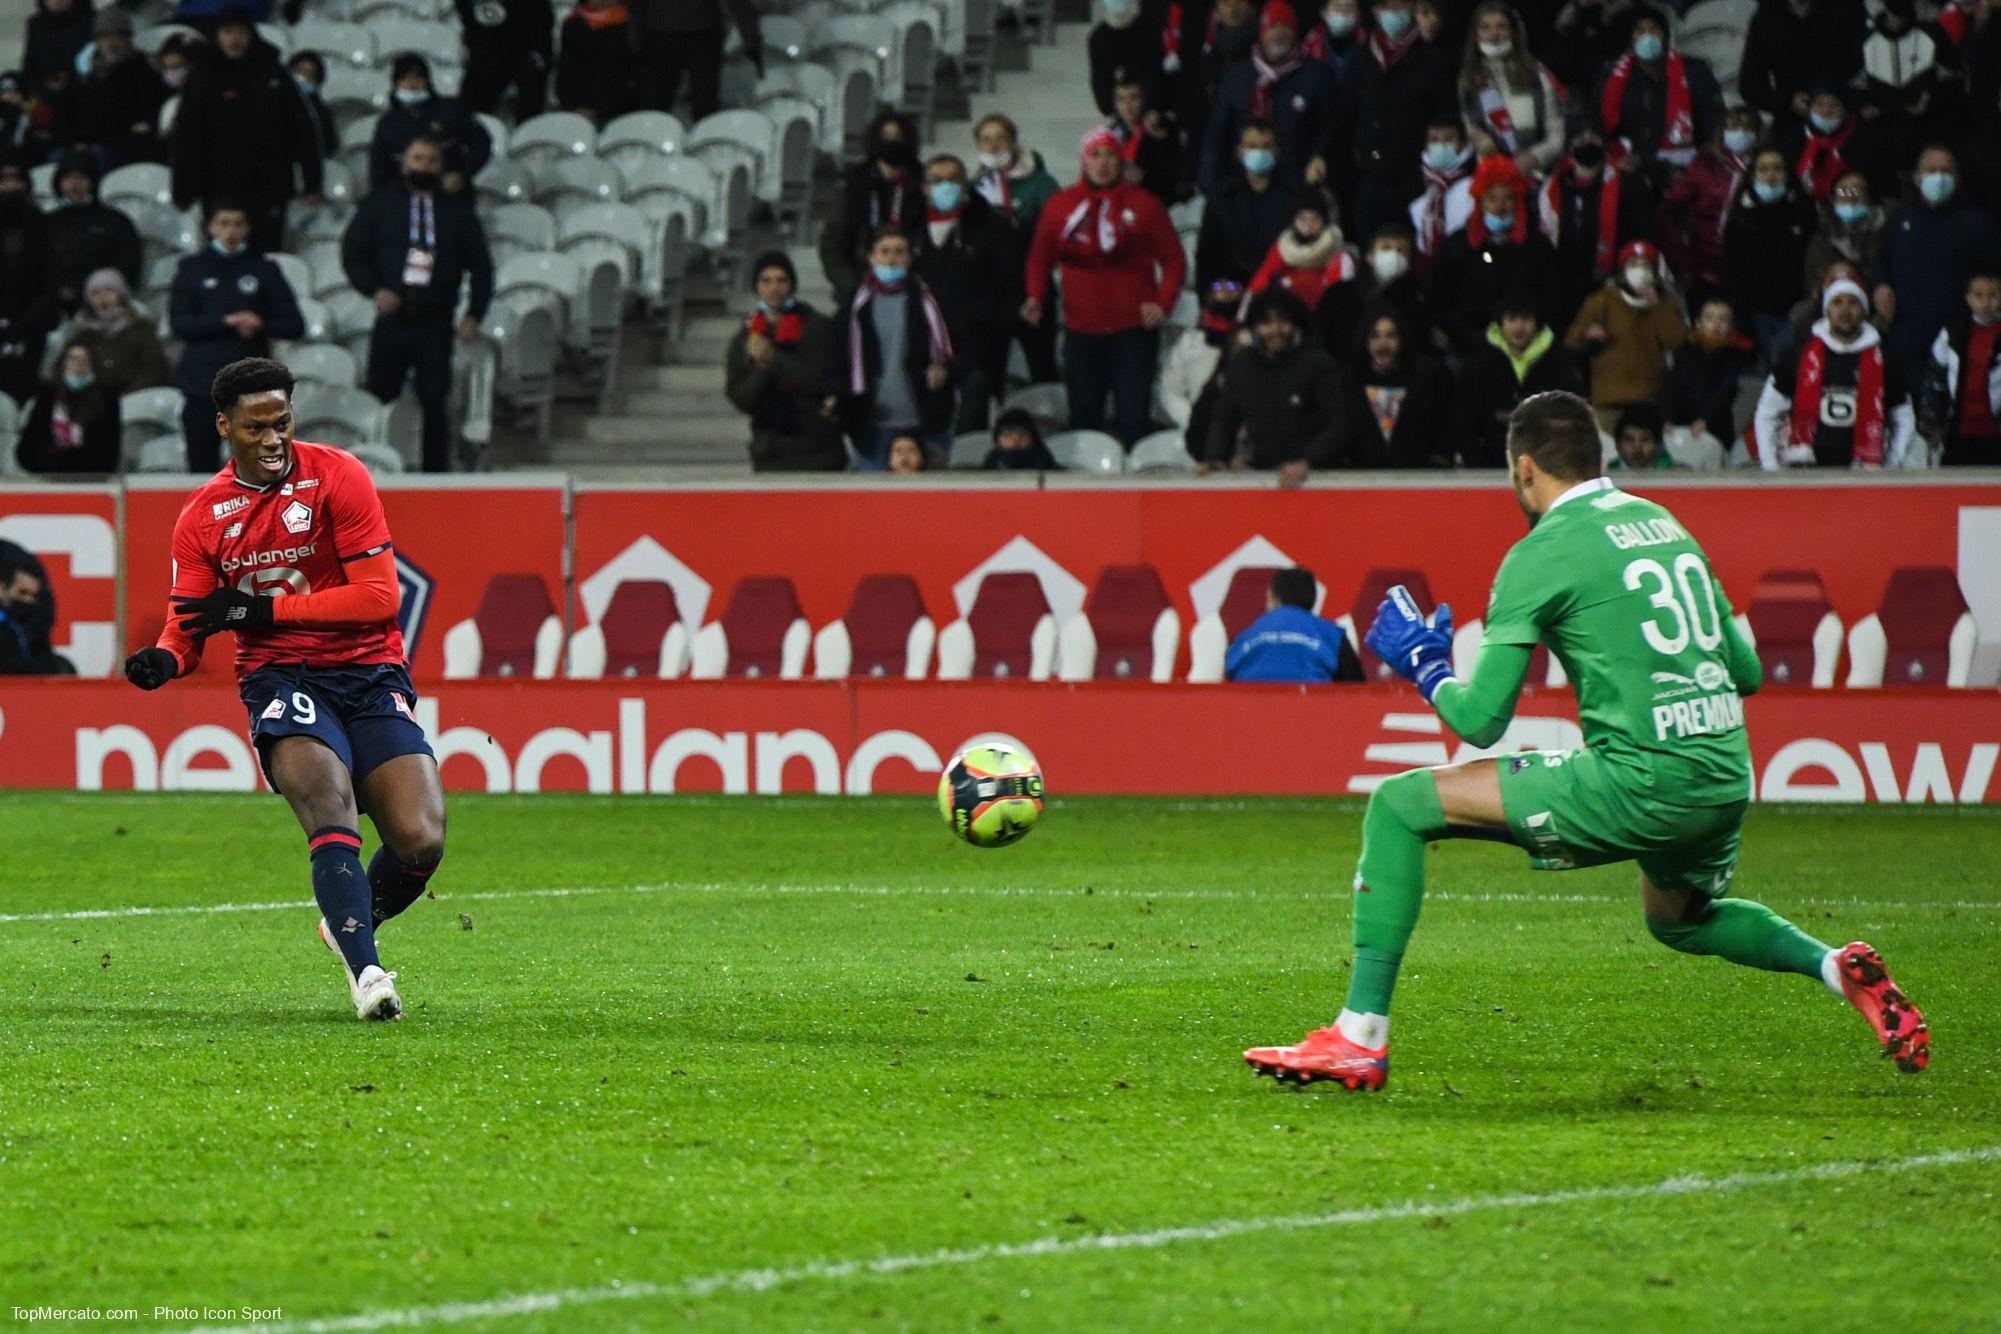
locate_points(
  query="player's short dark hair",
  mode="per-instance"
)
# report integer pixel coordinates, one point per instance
(312, 58)
(887, 230)
(1259, 124)
(1559, 431)
(252, 375)
(1294, 587)
(1517, 301)
(1990, 272)
(226, 205)
(1396, 229)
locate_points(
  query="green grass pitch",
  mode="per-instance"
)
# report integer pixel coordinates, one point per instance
(810, 1063)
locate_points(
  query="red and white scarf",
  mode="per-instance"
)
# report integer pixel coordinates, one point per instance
(1268, 76)
(1106, 233)
(934, 325)
(1608, 214)
(1821, 163)
(1431, 220)
(1494, 106)
(993, 187)
(1387, 52)
(1868, 399)
(1170, 39)
(1129, 137)
(786, 330)
(1677, 143)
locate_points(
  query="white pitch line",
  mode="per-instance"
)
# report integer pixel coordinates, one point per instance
(943, 891)
(764, 1280)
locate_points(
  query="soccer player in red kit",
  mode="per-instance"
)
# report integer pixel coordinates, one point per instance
(287, 548)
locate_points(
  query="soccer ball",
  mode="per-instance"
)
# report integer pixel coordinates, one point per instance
(991, 796)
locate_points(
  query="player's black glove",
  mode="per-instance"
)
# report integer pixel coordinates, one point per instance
(151, 668)
(224, 609)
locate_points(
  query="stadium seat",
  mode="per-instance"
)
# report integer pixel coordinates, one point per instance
(883, 633)
(378, 458)
(1088, 451)
(1703, 453)
(1922, 635)
(970, 450)
(1126, 632)
(1163, 451)
(504, 182)
(1210, 638)
(397, 33)
(137, 183)
(1049, 404)
(356, 96)
(319, 322)
(729, 138)
(1794, 628)
(148, 411)
(913, 63)
(353, 317)
(323, 364)
(527, 342)
(297, 273)
(497, 132)
(280, 39)
(543, 279)
(618, 230)
(551, 136)
(640, 635)
(158, 454)
(841, 119)
(1008, 634)
(526, 226)
(1376, 585)
(590, 179)
(686, 181)
(339, 415)
(150, 39)
(761, 634)
(515, 632)
(349, 42)
(639, 137)
(975, 54)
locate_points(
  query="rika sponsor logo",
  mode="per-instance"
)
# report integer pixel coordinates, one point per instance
(259, 559)
(222, 509)
(297, 517)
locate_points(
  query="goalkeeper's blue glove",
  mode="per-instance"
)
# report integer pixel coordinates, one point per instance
(1420, 651)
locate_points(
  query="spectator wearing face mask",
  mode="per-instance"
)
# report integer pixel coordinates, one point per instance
(775, 372)
(1693, 211)
(1764, 249)
(86, 234)
(598, 72)
(418, 112)
(1018, 445)
(1150, 143)
(1795, 46)
(1701, 389)
(1628, 329)
(1837, 401)
(1016, 185)
(1447, 202)
(968, 259)
(1523, 356)
(1276, 408)
(894, 364)
(1506, 92)
(1831, 142)
(1336, 37)
(1388, 276)
(228, 302)
(28, 308)
(1124, 47)
(309, 75)
(176, 61)
(1933, 243)
(120, 95)
(1658, 102)
(1122, 268)
(242, 134)
(27, 616)
(1245, 215)
(1191, 362)
(1591, 209)
(123, 343)
(1396, 401)
(1850, 228)
(73, 424)
(1499, 252)
(1394, 88)
(1308, 259)
(1960, 408)
(1280, 85)
(885, 189)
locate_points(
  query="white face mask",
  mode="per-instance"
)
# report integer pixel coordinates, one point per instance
(1639, 276)
(1389, 265)
(995, 161)
(1739, 141)
(1495, 50)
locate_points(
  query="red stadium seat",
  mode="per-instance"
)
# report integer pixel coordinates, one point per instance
(1127, 631)
(1376, 585)
(761, 633)
(515, 632)
(1793, 624)
(884, 632)
(635, 625)
(1003, 621)
(1922, 635)
(1210, 638)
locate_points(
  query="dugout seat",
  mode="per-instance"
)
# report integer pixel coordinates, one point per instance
(1008, 634)
(761, 633)
(883, 633)
(1794, 629)
(640, 635)
(1361, 615)
(515, 632)
(1209, 641)
(1126, 632)
(1922, 635)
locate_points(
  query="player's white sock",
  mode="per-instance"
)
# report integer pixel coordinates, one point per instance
(1364, 1030)
(1830, 972)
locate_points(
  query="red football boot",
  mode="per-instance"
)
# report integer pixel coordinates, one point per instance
(1324, 1054)
(1898, 1024)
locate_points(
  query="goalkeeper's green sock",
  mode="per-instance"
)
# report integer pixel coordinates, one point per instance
(1750, 934)
(1404, 814)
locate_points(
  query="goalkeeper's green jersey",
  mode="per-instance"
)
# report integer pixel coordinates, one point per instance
(1625, 599)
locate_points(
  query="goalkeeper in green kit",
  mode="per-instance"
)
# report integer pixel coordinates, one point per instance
(1625, 599)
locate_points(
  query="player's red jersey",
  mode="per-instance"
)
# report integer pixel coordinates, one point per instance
(296, 536)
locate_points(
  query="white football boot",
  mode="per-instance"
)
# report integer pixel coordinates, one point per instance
(374, 992)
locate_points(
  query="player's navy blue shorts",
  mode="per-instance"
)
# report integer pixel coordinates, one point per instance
(362, 714)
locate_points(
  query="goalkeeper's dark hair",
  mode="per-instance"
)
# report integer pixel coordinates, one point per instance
(1294, 587)
(252, 375)
(1560, 432)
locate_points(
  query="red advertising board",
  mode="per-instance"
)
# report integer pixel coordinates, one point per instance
(74, 530)
(451, 538)
(893, 736)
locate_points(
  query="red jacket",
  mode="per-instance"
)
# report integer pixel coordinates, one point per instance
(1692, 218)
(1102, 292)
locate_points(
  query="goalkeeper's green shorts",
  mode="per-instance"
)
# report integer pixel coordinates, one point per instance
(1572, 808)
